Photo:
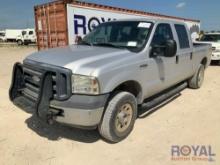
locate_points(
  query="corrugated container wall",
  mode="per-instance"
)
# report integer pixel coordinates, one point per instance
(51, 25)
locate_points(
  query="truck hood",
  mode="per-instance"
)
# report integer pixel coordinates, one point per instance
(81, 59)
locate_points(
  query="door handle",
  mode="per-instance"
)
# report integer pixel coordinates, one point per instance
(177, 59)
(143, 65)
(191, 56)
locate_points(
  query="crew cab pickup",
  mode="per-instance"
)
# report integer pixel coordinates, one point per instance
(103, 80)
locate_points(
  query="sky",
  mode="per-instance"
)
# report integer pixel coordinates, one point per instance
(19, 13)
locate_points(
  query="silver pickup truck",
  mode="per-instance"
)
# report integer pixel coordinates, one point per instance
(103, 80)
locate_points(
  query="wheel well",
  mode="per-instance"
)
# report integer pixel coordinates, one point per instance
(130, 86)
(204, 61)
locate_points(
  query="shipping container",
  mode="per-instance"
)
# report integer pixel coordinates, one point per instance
(58, 23)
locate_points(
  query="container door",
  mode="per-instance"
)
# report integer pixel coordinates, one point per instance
(51, 25)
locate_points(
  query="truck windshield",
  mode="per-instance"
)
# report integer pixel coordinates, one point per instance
(132, 35)
(211, 38)
(2, 34)
(24, 33)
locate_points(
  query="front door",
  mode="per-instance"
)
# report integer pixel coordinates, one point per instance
(161, 72)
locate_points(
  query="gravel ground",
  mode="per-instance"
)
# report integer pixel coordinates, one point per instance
(192, 118)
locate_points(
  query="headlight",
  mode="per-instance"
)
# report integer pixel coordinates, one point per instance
(85, 85)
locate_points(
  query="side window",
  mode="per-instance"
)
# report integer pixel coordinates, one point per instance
(212, 38)
(182, 36)
(218, 38)
(31, 32)
(162, 34)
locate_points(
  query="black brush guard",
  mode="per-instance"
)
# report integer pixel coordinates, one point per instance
(45, 92)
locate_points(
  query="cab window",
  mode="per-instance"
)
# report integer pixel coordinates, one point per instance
(162, 34)
(182, 36)
(24, 33)
(31, 32)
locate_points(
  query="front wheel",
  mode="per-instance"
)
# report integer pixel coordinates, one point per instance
(119, 118)
(20, 42)
(197, 80)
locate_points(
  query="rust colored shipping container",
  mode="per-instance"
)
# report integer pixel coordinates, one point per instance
(52, 26)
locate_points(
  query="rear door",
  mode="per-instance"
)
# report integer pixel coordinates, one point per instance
(184, 58)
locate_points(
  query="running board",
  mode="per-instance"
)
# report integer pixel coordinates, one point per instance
(155, 100)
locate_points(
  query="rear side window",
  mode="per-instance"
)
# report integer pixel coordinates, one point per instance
(182, 36)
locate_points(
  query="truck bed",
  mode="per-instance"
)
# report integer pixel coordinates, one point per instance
(201, 50)
(200, 45)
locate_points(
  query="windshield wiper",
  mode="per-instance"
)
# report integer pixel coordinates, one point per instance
(83, 42)
(108, 44)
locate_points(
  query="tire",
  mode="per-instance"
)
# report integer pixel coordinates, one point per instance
(26, 43)
(20, 42)
(197, 80)
(119, 118)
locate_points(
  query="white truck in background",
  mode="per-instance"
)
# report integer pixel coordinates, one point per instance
(26, 37)
(21, 36)
(2, 36)
(214, 39)
(11, 34)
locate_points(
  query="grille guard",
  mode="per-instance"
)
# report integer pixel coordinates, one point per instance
(41, 105)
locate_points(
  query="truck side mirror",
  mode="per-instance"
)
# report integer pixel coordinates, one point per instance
(170, 48)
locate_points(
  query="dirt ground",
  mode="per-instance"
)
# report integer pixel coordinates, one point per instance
(193, 118)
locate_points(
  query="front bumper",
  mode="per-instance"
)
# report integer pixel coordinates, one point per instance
(80, 110)
(51, 99)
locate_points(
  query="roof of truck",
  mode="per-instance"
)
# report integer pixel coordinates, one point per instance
(153, 20)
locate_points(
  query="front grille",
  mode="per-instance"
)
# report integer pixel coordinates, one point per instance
(32, 80)
(33, 76)
(213, 48)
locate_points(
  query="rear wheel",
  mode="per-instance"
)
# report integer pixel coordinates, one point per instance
(197, 80)
(119, 117)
